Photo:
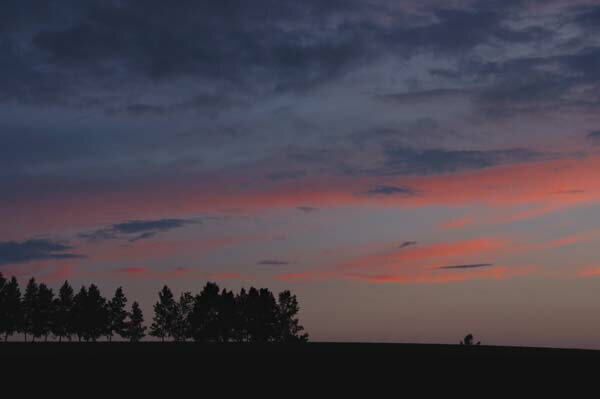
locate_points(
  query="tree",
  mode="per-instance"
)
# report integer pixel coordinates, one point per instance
(63, 312)
(288, 326)
(164, 315)
(13, 311)
(29, 307)
(135, 330)
(78, 315)
(117, 314)
(261, 315)
(3, 309)
(43, 312)
(96, 314)
(240, 317)
(183, 310)
(90, 314)
(205, 318)
(227, 315)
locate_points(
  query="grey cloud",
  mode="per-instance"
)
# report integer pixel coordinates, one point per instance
(273, 262)
(12, 252)
(595, 135)
(407, 244)
(405, 160)
(390, 190)
(236, 43)
(142, 229)
(471, 266)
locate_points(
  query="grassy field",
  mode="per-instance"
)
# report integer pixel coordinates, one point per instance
(183, 350)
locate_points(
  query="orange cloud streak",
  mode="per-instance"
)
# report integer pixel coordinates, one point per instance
(550, 185)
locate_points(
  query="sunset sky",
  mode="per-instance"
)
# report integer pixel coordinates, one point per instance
(412, 170)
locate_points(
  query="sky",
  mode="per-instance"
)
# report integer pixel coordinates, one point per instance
(412, 170)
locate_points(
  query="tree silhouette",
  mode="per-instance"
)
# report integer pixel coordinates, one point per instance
(97, 314)
(3, 307)
(62, 327)
(289, 328)
(164, 315)
(240, 317)
(181, 325)
(29, 306)
(12, 316)
(204, 319)
(135, 330)
(90, 314)
(261, 315)
(43, 312)
(213, 315)
(117, 314)
(78, 317)
(227, 314)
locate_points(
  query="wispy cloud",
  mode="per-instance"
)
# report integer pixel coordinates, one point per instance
(35, 249)
(390, 190)
(470, 266)
(273, 262)
(135, 230)
(407, 244)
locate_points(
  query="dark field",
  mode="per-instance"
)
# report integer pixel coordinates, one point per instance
(189, 350)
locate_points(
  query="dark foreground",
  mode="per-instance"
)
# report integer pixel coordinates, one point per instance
(188, 350)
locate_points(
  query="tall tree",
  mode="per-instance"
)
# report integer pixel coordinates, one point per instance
(205, 317)
(135, 329)
(164, 315)
(63, 316)
(97, 313)
(181, 326)
(227, 315)
(117, 314)
(261, 315)
(29, 308)
(79, 314)
(43, 313)
(13, 314)
(288, 326)
(3, 309)
(240, 321)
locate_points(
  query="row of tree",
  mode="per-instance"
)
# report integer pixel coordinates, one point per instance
(213, 315)
(222, 316)
(86, 315)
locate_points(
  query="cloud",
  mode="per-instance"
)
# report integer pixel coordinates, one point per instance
(142, 229)
(273, 262)
(407, 244)
(569, 192)
(594, 135)
(95, 43)
(31, 250)
(405, 160)
(390, 190)
(470, 266)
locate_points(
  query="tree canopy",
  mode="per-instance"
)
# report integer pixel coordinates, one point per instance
(212, 315)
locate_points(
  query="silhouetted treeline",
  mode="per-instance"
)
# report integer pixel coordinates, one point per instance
(213, 315)
(222, 316)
